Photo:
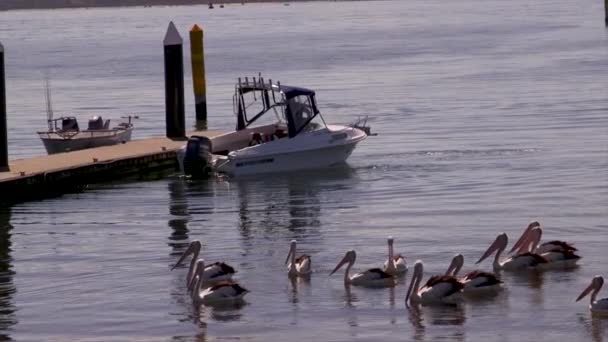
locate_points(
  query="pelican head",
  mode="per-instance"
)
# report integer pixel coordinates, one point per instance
(455, 265)
(292, 251)
(499, 244)
(521, 240)
(193, 248)
(412, 291)
(349, 258)
(596, 285)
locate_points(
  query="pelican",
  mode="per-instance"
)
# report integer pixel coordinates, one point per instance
(596, 306)
(520, 261)
(223, 292)
(214, 272)
(300, 266)
(549, 246)
(443, 289)
(371, 277)
(557, 253)
(395, 265)
(474, 281)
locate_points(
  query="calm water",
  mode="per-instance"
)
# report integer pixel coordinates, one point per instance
(490, 114)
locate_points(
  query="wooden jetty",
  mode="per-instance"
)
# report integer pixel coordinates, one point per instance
(44, 176)
(48, 175)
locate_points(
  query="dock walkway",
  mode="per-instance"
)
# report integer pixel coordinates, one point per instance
(39, 176)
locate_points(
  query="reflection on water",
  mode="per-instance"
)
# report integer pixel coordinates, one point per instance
(298, 284)
(441, 315)
(178, 208)
(286, 203)
(595, 325)
(7, 287)
(220, 313)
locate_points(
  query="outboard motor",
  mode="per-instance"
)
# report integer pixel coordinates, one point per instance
(197, 159)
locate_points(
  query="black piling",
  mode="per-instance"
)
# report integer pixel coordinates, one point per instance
(3, 134)
(606, 12)
(174, 84)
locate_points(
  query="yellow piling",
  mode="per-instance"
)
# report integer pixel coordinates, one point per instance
(198, 73)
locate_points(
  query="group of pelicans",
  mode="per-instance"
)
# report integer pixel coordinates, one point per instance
(213, 284)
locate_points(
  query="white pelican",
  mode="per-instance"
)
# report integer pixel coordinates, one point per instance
(549, 246)
(475, 282)
(442, 289)
(297, 267)
(596, 306)
(520, 261)
(395, 265)
(214, 272)
(223, 292)
(371, 277)
(557, 253)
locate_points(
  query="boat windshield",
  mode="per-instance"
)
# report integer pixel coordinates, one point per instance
(303, 114)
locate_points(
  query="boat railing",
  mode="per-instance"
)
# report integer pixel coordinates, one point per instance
(80, 134)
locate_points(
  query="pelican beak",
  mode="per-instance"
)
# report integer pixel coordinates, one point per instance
(523, 237)
(189, 250)
(411, 287)
(493, 247)
(531, 241)
(453, 266)
(292, 248)
(340, 264)
(586, 291)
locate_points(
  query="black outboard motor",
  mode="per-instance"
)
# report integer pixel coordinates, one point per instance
(197, 160)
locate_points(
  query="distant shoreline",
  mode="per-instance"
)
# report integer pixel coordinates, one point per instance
(8, 5)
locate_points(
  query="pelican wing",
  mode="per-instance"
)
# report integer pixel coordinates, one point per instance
(481, 278)
(562, 245)
(217, 269)
(224, 290)
(535, 258)
(303, 263)
(440, 286)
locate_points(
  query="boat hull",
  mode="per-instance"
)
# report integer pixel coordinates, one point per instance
(284, 162)
(54, 143)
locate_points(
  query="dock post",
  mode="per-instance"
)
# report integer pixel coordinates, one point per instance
(606, 12)
(198, 74)
(3, 134)
(174, 84)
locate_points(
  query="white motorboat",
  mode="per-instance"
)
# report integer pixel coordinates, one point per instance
(279, 128)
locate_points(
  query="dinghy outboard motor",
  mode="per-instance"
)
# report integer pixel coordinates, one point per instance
(197, 159)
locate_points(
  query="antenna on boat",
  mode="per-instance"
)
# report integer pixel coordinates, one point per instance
(49, 107)
(255, 88)
(272, 89)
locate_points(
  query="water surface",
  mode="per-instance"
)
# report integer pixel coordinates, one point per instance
(490, 114)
